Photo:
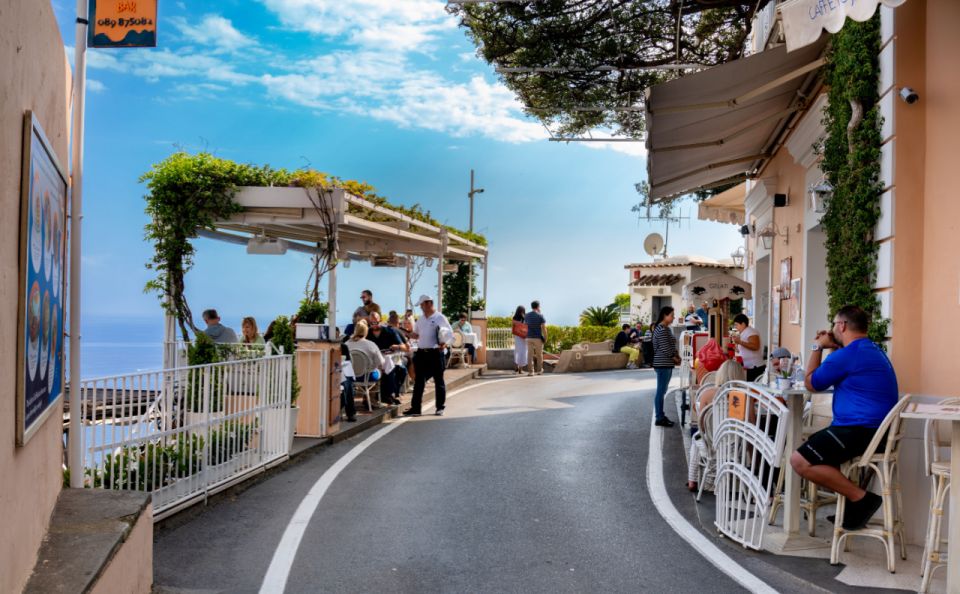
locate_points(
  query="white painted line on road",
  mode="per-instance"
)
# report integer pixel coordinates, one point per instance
(275, 580)
(689, 533)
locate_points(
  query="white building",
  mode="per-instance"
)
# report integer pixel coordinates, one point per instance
(656, 284)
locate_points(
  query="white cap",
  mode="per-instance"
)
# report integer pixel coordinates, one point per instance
(422, 299)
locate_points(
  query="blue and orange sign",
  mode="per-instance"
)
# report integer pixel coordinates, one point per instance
(123, 23)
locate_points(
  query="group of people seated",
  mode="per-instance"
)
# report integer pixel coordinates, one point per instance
(865, 390)
(220, 334)
(637, 343)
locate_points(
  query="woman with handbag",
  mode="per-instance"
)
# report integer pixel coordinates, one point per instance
(519, 339)
(665, 358)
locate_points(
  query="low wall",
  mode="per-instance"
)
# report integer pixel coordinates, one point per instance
(500, 359)
(131, 569)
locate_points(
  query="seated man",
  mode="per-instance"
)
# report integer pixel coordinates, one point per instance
(464, 327)
(691, 320)
(865, 389)
(621, 345)
(388, 341)
(217, 332)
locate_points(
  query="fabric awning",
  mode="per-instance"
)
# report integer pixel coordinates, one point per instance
(725, 207)
(720, 125)
(805, 20)
(717, 286)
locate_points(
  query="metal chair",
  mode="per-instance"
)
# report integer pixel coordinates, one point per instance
(885, 463)
(936, 435)
(707, 463)
(363, 365)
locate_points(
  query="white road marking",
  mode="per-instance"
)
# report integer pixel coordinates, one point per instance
(275, 580)
(696, 539)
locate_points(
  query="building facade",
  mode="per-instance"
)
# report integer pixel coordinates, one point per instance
(656, 284)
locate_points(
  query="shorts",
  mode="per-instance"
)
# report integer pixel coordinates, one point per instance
(835, 445)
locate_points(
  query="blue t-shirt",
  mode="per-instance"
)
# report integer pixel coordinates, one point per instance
(535, 324)
(864, 382)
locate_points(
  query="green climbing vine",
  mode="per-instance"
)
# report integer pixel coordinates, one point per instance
(851, 163)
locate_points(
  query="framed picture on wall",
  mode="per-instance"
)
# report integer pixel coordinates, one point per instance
(795, 302)
(786, 271)
(43, 224)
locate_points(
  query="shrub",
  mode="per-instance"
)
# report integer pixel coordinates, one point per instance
(283, 337)
(499, 322)
(312, 312)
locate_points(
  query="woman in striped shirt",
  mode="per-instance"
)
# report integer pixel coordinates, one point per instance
(665, 358)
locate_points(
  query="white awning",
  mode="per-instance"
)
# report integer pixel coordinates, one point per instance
(720, 125)
(717, 287)
(725, 207)
(804, 20)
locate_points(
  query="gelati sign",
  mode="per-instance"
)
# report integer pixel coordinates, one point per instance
(122, 23)
(803, 20)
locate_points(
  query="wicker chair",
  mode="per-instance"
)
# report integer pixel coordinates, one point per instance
(935, 436)
(707, 463)
(885, 463)
(363, 366)
(458, 349)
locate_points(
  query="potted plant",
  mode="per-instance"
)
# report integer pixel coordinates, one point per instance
(283, 337)
(311, 318)
(479, 309)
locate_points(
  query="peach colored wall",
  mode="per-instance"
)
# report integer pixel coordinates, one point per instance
(908, 187)
(939, 98)
(131, 569)
(791, 179)
(34, 75)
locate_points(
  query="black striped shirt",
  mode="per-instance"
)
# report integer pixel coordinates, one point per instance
(664, 346)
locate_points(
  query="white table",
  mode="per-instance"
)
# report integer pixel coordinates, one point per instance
(942, 412)
(791, 486)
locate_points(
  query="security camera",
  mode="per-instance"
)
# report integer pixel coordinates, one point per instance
(909, 95)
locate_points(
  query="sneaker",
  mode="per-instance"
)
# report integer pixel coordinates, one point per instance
(351, 419)
(858, 513)
(411, 413)
(529, 374)
(439, 412)
(664, 422)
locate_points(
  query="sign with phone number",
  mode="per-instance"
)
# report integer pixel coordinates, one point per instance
(122, 23)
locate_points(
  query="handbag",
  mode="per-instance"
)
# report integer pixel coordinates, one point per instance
(519, 329)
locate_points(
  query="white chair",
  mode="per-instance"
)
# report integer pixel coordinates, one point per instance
(885, 464)
(936, 435)
(458, 349)
(363, 365)
(707, 463)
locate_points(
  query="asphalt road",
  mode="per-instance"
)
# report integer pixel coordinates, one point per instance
(526, 485)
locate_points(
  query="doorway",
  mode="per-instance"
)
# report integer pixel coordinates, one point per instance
(658, 303)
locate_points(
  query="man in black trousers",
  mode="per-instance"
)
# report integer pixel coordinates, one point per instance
(432, 331)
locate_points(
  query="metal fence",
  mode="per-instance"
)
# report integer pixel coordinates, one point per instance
(499, 338)
(185, 433)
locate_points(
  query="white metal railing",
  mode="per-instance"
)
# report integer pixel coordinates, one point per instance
(500, 338)
(182, 434)
(175, 352)
(750, 434)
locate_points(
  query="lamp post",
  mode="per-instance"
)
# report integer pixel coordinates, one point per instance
(473, 191)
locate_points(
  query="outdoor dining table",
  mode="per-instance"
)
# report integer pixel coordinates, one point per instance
(794, 398)
(951, 413)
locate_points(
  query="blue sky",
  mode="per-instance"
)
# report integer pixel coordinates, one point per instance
(386, 91)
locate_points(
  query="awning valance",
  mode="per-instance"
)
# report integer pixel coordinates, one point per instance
(805, 20)
(720, 125)
(725, 207)
(717, 287)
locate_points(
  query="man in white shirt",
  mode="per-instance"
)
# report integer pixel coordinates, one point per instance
(432, 331)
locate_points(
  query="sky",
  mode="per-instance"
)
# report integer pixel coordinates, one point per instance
(390, 92)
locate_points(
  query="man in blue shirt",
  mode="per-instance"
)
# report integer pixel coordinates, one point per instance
(865, 389)
(536, 338)
(704, 316)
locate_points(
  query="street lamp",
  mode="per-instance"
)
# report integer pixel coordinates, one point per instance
(738, 256)
(473, 191)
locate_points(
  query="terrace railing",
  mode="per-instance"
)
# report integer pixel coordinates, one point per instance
(499, 338)
(183, 434)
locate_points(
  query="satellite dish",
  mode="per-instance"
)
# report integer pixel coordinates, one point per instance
(653, 244)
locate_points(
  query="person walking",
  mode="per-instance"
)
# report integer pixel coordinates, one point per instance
(432, 331)
(536, 338)
(665, 358)
(519, 332)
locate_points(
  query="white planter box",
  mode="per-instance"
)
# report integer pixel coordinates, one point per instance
(311, 331)
(479, 314)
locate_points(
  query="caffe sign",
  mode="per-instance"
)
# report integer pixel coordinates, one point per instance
(804, 20)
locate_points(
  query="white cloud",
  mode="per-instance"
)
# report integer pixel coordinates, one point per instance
(635, 149)
(95, 86)
(214, 30)
(398, 24)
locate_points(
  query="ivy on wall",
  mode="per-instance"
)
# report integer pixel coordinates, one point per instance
(851, 163)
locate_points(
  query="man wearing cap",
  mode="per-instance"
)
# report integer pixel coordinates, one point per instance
(432, 331)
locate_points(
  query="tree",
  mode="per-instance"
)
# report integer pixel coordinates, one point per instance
(622, 300)
(455, 285)
(600, 316)
(601, 55)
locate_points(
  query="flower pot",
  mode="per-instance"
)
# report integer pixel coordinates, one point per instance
(311, 331)
(294, 413)
(479, 314)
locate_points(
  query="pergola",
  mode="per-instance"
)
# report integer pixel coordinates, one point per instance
(352, 228)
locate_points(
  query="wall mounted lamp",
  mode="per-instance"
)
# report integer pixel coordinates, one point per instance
(770, 232)
(819, 194)
(738, 256)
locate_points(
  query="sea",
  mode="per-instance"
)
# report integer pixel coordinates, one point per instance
(119, 345)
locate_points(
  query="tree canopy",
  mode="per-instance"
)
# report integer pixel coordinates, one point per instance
(580, 65)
